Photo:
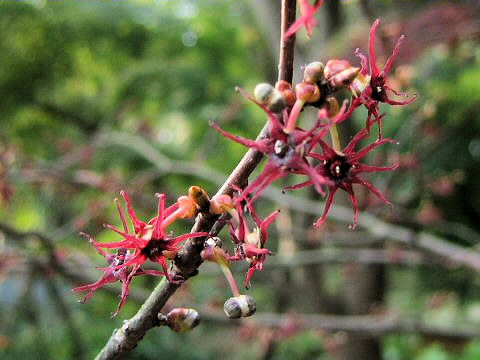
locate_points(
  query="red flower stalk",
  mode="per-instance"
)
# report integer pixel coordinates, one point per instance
(285, 150)
(342, 169)
(112, 274)
(370, 89)
(307, 19)
(250, 245)
(149, 240)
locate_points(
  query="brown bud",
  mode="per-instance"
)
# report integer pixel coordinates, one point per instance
(182, 320)
(200, 197)
(313, 73)
(240, 306)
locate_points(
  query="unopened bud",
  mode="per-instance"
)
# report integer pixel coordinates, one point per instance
(286, 89)
(240, 306)
(200, 197)
(340, 73)
(263, 93)
(307, 92)
(270, 97)
(182, 320)
(313, 73)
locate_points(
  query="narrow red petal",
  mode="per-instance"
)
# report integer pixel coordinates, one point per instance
(374, 71)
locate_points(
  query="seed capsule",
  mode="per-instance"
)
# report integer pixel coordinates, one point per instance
(182, 320)
(240, 306)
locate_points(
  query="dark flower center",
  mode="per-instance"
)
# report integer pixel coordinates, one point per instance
(338, 168)
(154, 249)
(378, 91)
(280, 149)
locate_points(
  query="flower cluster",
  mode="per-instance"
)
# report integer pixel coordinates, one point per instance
(291, 149)
(149, 241)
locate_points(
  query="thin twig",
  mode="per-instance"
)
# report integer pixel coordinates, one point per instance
(363, 325)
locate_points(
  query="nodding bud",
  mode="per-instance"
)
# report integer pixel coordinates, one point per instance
(307, 93)
(240, 306)
(181, 320)
(220, 204)
(286, 89)
(270, 97)
(313, 73)
(340, 73)
(200, 197)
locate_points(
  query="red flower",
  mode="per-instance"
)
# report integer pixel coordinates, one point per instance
(148, 242)
(250, 245)
(307, 19)
(371, 89)
(112, 274)
(342, 169)
(286, 150)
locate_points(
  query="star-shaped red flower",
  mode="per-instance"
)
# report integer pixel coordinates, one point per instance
(342, 169)
(149, 241)
(372, 88)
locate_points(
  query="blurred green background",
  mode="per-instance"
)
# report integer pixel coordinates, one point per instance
(100, 96)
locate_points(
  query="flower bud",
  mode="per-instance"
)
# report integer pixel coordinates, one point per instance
(270, 97)
(286, 89)
(240, 306)
(200, 197)
(313, 73)
(340, 73)
(307, 92)
(263, 93)
(182, 320)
